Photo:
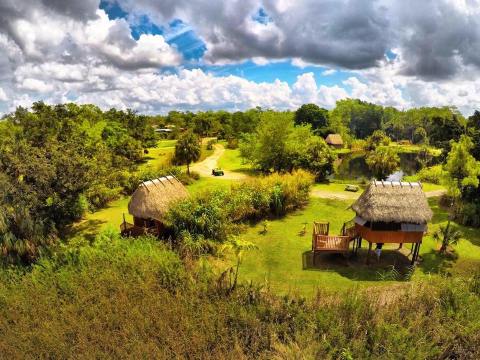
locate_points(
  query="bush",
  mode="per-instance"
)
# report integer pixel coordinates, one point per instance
(434, 174)
(211, 143)
(215, 214)
(358, 145)
(100, 195)
(232, 143)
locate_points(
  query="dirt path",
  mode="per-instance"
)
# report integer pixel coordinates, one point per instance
(204, 168)
(335, 195)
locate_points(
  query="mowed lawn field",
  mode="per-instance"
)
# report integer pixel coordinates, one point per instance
(284, 263)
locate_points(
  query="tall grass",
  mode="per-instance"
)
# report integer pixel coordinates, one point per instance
(135, 298)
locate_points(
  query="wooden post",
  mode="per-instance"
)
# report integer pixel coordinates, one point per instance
(368, 253)
(416, 247)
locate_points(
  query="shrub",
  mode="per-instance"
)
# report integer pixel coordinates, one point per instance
(211, 143)
(215, 214)
(358, 145)
(434, 174)
(232, 143)
(100, 195)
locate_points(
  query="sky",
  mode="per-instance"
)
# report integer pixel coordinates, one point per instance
(154, 56)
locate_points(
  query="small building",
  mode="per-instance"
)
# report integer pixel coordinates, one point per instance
(334, 140)
(393, 212)
(150, 203)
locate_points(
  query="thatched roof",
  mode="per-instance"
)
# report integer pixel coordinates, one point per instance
(393, 201)
(153, 198)
(334, 139)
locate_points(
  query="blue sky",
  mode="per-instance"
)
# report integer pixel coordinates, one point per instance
(155, 56)
(192, 48)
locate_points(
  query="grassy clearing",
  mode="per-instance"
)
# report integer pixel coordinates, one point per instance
(232, 161)
(283, 261)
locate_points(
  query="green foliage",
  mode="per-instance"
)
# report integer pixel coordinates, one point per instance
(211, 143)
(187, 149)
(352, 117)
(382, 162)
(434, 174)
(447, 235)
(214, 215)
(134, 298)
(462, 168)
(311, 114)
(58, 161)
(281, 146)
(378, 138)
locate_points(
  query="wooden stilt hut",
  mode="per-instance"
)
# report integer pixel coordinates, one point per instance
(149, 204)
(393, 212)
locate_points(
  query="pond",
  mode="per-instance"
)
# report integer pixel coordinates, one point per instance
(353, 166)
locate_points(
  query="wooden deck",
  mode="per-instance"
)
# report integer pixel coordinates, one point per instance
(323, 242)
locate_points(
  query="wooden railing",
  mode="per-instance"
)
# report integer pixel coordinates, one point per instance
(337, 243)
(127, 229)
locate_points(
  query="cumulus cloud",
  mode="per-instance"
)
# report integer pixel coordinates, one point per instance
(62, 50)
(3, 96)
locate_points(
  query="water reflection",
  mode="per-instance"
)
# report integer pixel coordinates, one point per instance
(353, 166)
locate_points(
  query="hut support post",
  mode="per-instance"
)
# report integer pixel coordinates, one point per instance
(368, 253)
(416, 250)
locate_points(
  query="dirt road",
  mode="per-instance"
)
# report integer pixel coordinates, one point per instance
(204, 168)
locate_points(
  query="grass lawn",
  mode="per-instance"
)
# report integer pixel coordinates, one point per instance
(283, 261)
(231, 160)
(414, 148)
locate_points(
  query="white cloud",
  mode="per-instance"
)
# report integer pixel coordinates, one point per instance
(3, 96)
(329, 72)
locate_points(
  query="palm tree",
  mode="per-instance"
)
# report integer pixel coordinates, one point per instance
(447, 235)
(187, 149)
(238, 247)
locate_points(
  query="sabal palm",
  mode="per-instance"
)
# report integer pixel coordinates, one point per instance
(238, 247)
(447, 235)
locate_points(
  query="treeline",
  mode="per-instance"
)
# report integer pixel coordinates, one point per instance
(352, 118)
(58, 161)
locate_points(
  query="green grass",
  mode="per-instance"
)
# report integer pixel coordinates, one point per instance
(414, 148)
(166, 143)
(232, 161)
(283, 260)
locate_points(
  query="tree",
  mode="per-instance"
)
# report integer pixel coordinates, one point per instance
(311, 114)
(238, 247)
(463, 169)
(187, 149)
(447, 235)
(382, 162)
(279, 145)
(378, 138)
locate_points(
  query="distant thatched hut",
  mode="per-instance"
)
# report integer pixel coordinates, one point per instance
(334, 140)
(392, 212)
(150, 203)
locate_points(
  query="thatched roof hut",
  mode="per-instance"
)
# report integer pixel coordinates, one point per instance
(393, 201)
(334, 140)
(153, 198)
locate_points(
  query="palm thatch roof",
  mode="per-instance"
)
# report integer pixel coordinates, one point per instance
(393, 201)
(334, 139)
(153, 198)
